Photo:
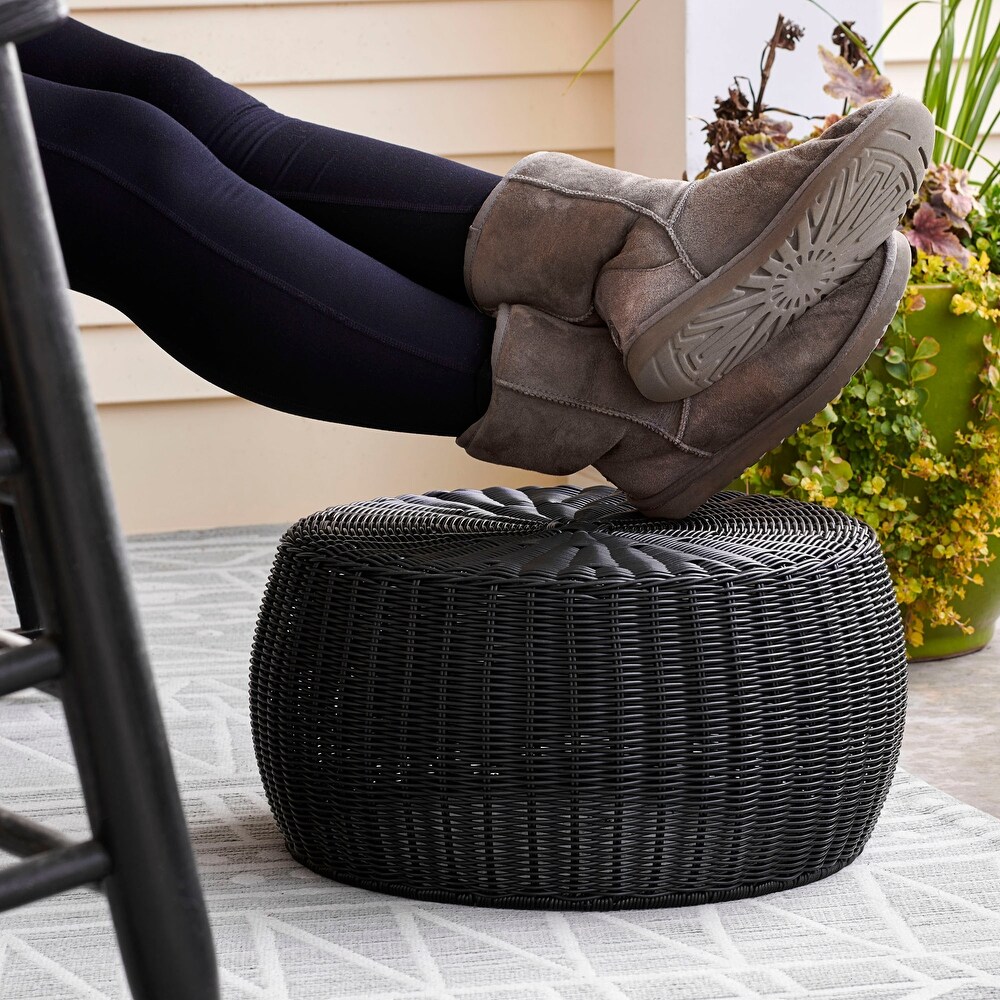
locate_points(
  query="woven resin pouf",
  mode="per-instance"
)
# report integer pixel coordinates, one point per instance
(541, 698)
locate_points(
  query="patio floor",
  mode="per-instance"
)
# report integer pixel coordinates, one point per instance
(952, 736)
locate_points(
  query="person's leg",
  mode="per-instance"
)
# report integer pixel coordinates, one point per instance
(408, 209)
(240, 288)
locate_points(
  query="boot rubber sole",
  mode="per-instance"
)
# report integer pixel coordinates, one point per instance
(683, 496)
(833, 223)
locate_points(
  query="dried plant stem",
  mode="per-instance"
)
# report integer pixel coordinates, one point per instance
(766, 63)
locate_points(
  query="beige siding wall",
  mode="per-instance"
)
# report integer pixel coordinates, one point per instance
(480, 81)
(907, 50)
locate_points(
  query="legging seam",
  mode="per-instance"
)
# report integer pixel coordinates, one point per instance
(405, 206)
(242, 262)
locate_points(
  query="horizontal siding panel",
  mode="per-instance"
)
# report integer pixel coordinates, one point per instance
(212, 462)
(92, 312)
(341, 42)
(125, 366)
(456, 117)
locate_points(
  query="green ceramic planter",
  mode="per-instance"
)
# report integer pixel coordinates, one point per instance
(947, 409)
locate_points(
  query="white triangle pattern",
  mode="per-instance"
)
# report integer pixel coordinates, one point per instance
(916, 917)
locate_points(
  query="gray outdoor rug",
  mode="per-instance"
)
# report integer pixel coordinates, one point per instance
(916, 917)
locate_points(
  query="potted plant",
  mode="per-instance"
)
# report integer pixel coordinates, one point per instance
(912, 444)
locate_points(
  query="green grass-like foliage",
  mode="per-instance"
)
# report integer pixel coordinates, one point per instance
(959, 102)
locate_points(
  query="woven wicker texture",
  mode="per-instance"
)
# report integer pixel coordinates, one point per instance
(543, 698)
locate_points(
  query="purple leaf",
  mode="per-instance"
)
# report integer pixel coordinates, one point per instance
(773, 127)
(857, 86)
(959, 202)
(946, 189)
(932, 233)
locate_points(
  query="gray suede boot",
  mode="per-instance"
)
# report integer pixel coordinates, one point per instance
(562, 399)
(692, 278)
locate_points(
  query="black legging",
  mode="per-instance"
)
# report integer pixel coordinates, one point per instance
(301, 267)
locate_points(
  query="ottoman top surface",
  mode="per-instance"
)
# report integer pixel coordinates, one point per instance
(572, 533)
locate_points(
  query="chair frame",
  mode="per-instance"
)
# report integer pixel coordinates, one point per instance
(79, 636)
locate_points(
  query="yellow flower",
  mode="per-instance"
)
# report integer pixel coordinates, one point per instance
(961, 304)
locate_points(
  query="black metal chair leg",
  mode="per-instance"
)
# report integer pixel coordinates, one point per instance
(87, 620)
(18, 570)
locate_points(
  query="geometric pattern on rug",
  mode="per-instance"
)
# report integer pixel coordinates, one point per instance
(917, 916)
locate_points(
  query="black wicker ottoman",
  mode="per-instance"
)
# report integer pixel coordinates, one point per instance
(541, 698)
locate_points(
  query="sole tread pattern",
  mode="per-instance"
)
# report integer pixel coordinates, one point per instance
(760, 440)
(842, 227)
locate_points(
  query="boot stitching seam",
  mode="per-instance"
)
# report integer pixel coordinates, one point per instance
(567, 319)
(678, 246)
(638, 269)
(548, 312)
(672, 439)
